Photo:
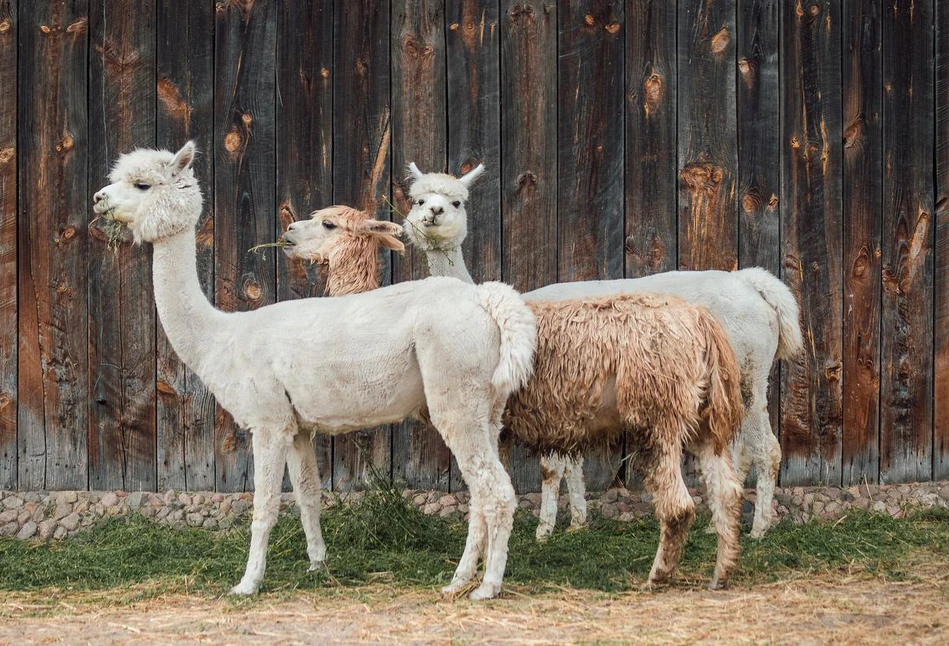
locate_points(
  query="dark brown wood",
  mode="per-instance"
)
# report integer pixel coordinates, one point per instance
(8, 262)
(707, 130)
(862, 205)
(591, 47)
(361, 148)
(941, 322)
(474, 130)
(811, 238)
(528, 162)
(54, 208)
(122, 441)
(651, 161)
(906, 390)
(420, 458)
(185, 110)
(244, 192)
(304, 146)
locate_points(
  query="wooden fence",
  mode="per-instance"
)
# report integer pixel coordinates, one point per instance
(810, 138)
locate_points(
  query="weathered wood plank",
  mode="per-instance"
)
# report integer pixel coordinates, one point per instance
(941, 322)
(304, 146)
(651, 153)
(528, 162)
(8, 264)
(122, 441)
(419, 456)
(707, 127)
(906, 391)
(244, 192)
(361, 172)
(811, 234)
(474, 130)
(54, 208)
(185, 89)
(590, 161)
(862, 204)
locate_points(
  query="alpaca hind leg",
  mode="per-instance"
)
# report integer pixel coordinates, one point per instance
(576, 489)
(764, 451)
(270, 456)
(551, 470)
(724, 493)
(475, 545)
(305, 476)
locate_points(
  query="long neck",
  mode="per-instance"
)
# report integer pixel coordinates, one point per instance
(186, 315)
(353, 267)
(448, 262)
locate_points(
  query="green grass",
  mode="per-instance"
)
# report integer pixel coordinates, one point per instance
(382, 538)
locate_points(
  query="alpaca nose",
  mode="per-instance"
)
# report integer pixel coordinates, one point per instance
(97, 197)
(437, 210)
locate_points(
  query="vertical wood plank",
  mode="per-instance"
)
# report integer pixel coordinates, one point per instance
(528, 162)
(304, 146)
(862, 205)
(474, 130)
(941, 323)
(811, 138)
(708, 159)
(244, 191)
(651, 98)
(8, 266)
(54, 209)
(590, 161)
(908, 121)
(185, 89)
(419, 456)
(122, 440)
(361, 133)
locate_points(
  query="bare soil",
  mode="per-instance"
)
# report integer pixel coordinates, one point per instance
(832, 608)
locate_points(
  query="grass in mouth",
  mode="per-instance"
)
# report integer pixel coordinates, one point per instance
(112, 228)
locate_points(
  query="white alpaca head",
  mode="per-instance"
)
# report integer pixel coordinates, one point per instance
(336, 229)
(153, 192)
(438, 218)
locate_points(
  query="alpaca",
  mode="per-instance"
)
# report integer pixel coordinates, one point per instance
(376, 358)
(757, 311)
(654, 365)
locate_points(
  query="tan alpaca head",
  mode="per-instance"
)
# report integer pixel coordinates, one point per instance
(153, 192)
(339, 230)
(438, 218)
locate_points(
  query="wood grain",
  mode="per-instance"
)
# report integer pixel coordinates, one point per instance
(54, 208)
(811, 138)
(941, 322)
(862, 204)
(906, 390)
(8, 246)
(185, 110)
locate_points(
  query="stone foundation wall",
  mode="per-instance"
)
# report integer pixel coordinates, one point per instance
(54, 515)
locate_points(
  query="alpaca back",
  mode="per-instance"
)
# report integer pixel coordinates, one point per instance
(624, 362)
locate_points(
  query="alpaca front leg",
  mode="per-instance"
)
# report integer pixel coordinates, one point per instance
(305, 476)
(270, 456)
(551, 470)
(577, 491)
(474, 550)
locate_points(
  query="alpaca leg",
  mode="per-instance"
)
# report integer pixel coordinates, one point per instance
(270, 456)
(305, 476)
(742, 460)
(724, 493)
(551, 469)
(765, 452)
(576, 489)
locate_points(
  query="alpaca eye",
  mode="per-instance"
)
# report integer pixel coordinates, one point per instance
(420, 202)
(328, 225)
(143, 187)
(456, 204)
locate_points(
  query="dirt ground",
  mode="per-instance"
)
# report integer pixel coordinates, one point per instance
(836, 608)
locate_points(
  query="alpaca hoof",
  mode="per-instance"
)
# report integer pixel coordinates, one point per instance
(577, 527)
(244, 589)
(758, 531)
(717, 584)
(454, 588)
(316, 566)
(543, 532)
(485, 591)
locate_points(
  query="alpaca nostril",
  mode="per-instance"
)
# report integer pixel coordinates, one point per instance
(437, 210)
(97, 197)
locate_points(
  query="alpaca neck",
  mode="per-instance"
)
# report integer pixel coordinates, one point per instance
(185, 313)
(354, 268)
(448, 262)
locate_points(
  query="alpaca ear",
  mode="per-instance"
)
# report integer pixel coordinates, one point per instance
(416, 173)
(386, 233)
(389, 242)
(471, 175)
(183, 158)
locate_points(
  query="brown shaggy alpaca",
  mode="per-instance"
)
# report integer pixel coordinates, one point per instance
(658, 368)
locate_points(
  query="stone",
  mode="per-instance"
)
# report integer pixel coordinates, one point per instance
(149, 511)
(431, 508)
(66, 497)
(195, 519)
(135, 499)
(27, 531)
(169, 496)
(9, 529)
(209, 523)
(419, 499)
(609, 511)
(13, 502)
(24, 516)
(46, 528)
(184, 499)
(240, 506)
(59, 533)
(879, 506)
(108, 499)
(448, 500)
(8, 515)
(199, 499)
(217, 498)
(70, 522)
(225, 507)
(447, 511)
(609, 496)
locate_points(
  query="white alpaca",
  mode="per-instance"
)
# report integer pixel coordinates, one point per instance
(370, 359)
(654, 365)
(758, 312)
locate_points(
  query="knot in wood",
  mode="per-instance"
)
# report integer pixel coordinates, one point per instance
(589, 20)
(324, 72)
(861, 264)
(246, 119)
(7, 154)
(5, 25)
(46, 29)
(773, 202)
(720, 41)
(518, 10)
(751, 201)
(69, 232)
(233, 141)
(165, 389)
(4, 401)
(653, 91)
(814, 10)
(527, 177)
(832, 372)
(252, 290)
(612, 28)
(453, 26)
(795, 142)
(853, 133)
(66, 144)
(702, 177)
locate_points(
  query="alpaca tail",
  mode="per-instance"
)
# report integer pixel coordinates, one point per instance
(518, 336)
(723, 405)
(780, 298)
